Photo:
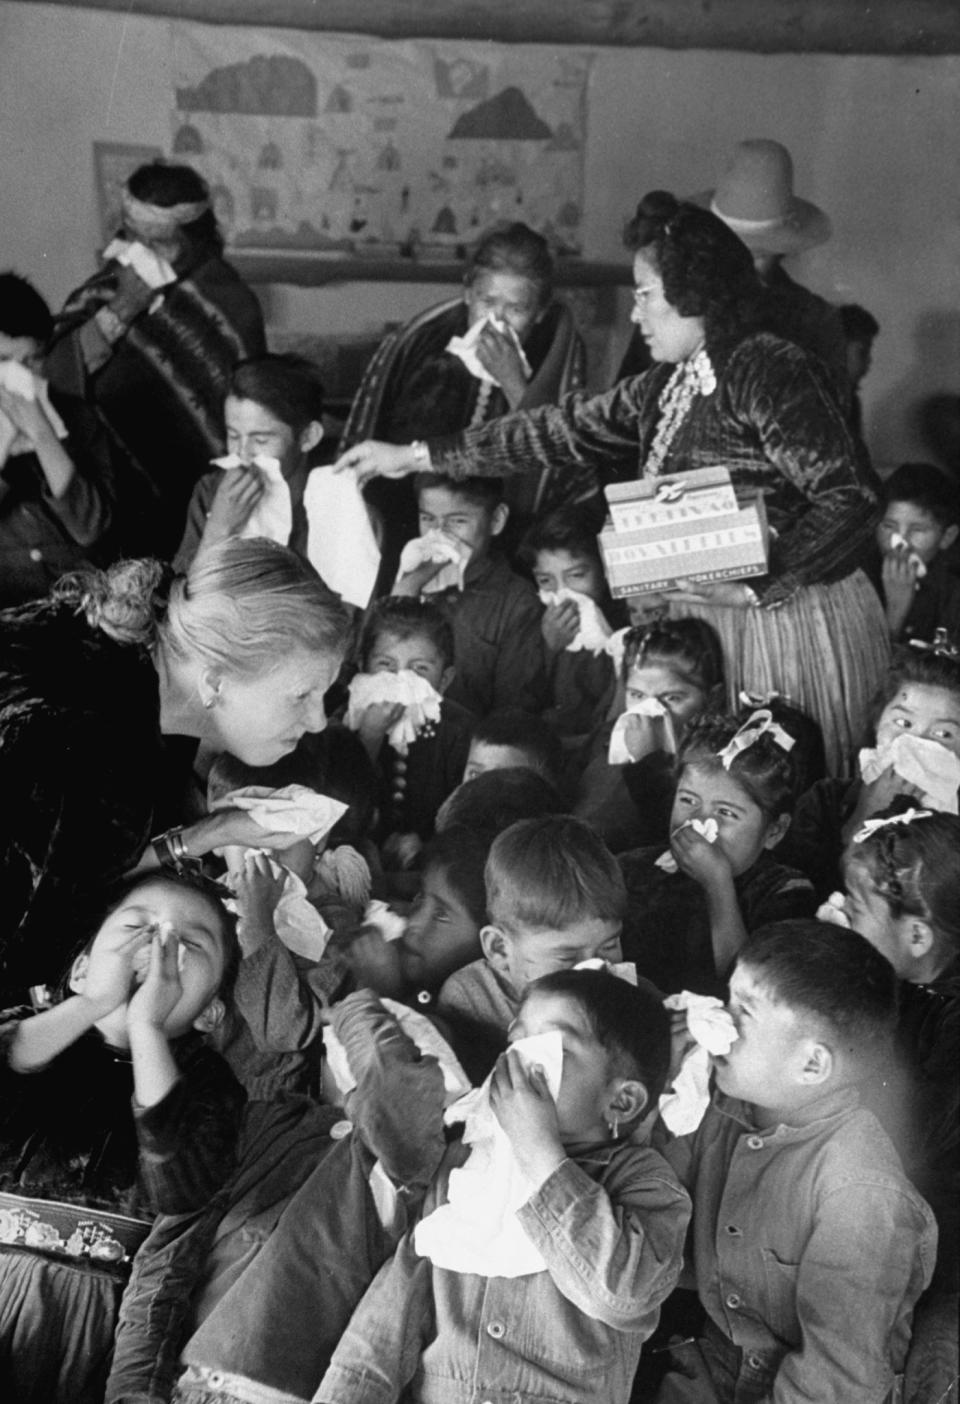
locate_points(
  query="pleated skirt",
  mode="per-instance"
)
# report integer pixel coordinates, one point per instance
(826, 650)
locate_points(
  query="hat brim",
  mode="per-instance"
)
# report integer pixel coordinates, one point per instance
(804, 227)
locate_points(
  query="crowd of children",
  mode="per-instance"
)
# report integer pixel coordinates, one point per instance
(230, 1164)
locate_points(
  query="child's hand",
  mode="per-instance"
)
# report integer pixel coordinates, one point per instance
(560, 625)
(899, 576)
(239, 491)
(705, 862)
(375, 963)
(400, 851)
(26, 415)
(644, 735)
(109, 971)
(161, 991)
(377, 719)
(410, 585)
(522, 1104)
(258, 889)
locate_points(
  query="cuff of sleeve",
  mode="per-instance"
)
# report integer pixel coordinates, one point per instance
(157, 1125)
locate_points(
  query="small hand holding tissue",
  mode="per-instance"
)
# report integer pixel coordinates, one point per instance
(714, 1033)
(594, 630)
(899, 542)
(465, 348)
(477, 1230)
(706, 828)
(271, 514)
(632, 739)
(24, 394)
(420, 701)
(933, 769)
(433, 547)
(834, 910)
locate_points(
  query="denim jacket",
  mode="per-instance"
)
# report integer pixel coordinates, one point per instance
(609, 1222)
(809, 1245)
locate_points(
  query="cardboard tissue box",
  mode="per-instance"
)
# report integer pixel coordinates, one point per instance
(683, 526)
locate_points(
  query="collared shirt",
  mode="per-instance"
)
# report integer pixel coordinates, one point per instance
(809, 1245)
(609, 1222)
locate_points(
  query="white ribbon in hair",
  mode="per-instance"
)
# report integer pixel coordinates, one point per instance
(757, 724)
(872, 826)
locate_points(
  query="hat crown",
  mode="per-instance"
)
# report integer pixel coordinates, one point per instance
(758, 183)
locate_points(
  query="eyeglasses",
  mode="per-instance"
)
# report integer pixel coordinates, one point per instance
(640, 293)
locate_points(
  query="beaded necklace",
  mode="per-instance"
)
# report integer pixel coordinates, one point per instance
(690, 378)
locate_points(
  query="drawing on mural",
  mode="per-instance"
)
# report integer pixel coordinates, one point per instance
(348, 145)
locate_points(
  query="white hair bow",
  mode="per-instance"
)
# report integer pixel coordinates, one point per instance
(872, 826)
(757, 724)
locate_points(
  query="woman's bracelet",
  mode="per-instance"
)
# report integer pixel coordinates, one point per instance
(171, 850)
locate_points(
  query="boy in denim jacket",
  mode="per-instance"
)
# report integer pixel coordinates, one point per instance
(809, 1245)
(604, 1214)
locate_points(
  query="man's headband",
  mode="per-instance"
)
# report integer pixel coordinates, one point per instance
(160, 220)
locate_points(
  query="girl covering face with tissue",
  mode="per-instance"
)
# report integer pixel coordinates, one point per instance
(915, 763)
(671, 672)
(690, 908)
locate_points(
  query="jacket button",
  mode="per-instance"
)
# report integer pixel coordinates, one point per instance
(340, 1130)
(754, 1362)
(496, 1329)
(733, 1301)
(755, 1142)
(36, 554)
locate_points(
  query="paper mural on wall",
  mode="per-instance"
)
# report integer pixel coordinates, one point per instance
(353, 145)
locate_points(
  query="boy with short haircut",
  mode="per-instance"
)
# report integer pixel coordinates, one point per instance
(496, 614)
(555, 897)
(600, 1231)
(920, 523)
(809, 1245)
(511, 739)
(409, 635)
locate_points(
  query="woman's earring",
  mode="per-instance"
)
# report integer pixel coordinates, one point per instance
(615, 1126)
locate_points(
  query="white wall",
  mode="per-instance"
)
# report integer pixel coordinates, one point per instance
(873, 139)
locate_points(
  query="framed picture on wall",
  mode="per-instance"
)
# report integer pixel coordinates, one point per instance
(113, 162)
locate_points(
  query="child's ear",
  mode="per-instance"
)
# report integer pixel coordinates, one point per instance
(78, 973)
(496, 947)
(817, 1064)
(628, 1102)
(949, 537)
(446, 678)
(311, 436)
(210, 1019)
(498, 518)
(776, 830)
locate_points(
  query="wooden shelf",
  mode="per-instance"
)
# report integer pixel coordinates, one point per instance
(305, 269)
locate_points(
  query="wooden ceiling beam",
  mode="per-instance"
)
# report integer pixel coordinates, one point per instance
(757, 26)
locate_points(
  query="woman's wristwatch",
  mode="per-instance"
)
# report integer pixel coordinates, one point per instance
(421, 456)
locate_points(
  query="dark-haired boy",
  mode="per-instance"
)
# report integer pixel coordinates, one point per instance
(496, 615)
(604, 1215)
(809, 1245)
(920, 523)
(555, 897)
(511, 739)
(56, 494)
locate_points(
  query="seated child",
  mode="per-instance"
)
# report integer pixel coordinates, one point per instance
(689, 910)
(555, 897)
(495, 614)
(920, 523)
(902, 878)
(917, 745)
(671, 673)
(512, 739)
(809, 1245)
(409, 640)
(247, 1300)
(600, 1217)
(55, 471)
(562, 554)
(112, 1109)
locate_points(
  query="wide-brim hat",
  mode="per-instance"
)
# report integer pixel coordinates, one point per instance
(755, 198)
